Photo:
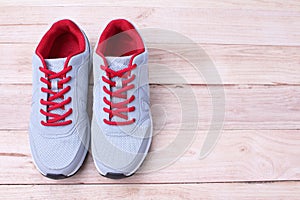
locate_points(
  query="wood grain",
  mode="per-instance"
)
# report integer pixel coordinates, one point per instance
(259, 191)
(239, 155)
(226, 26)
(236, 64)
(232, 4)
(246, 107)
(254, 46)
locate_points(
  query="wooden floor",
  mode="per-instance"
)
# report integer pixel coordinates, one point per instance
(255, 46)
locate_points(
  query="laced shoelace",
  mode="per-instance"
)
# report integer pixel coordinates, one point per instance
(119, 109)
(54, 119)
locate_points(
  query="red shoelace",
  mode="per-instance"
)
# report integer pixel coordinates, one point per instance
(52, 118)
(119, 109)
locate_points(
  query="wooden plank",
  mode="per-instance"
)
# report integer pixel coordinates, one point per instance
(242, 191)
(232, 4)
(236, 64)
(246, 107)
(225, 26)
(240, 155)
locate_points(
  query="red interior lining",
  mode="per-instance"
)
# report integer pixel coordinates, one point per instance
(64, 39)
(120, 39)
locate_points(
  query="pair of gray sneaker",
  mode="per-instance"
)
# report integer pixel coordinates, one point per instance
(121, 127)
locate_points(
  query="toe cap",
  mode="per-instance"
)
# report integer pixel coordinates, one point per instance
(120, 153)
(58, 156)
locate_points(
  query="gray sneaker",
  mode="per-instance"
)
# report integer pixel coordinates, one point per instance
(59, 129)
(122, 123)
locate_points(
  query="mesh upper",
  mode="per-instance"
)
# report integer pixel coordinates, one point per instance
(54, 153)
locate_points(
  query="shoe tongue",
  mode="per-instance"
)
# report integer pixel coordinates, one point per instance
(56, 65)
(117, 64)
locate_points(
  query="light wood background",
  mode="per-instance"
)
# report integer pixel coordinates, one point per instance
(255, 46)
